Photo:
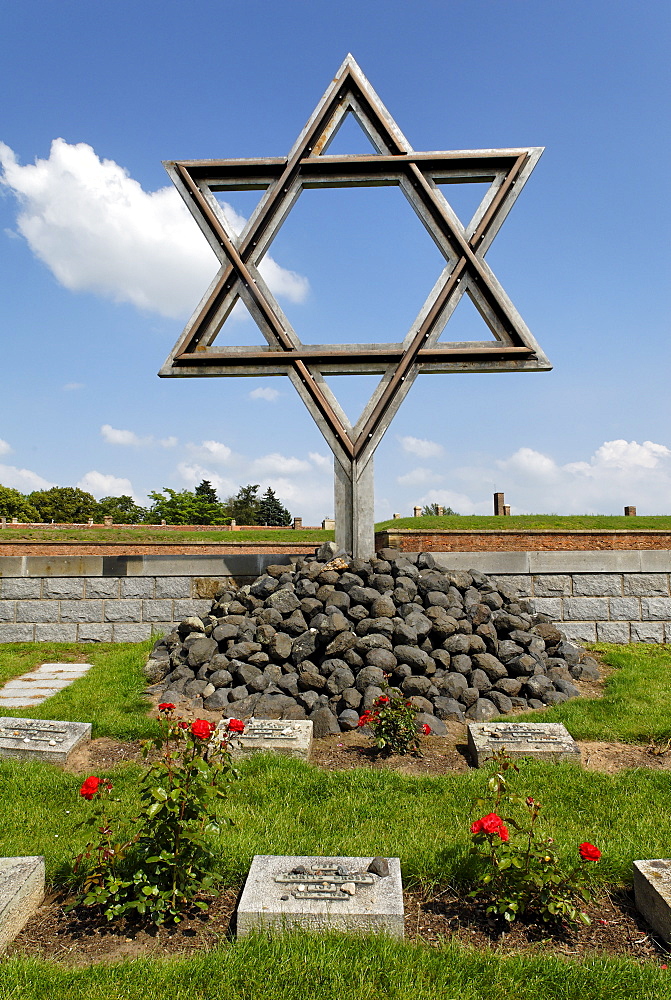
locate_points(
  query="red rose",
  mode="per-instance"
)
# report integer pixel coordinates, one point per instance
(364, 720)
(382, 700)
(182, 725)
(588, 852)
(166, 706)
(426, 729)
(90, 787)
(202, 729)
(491, 824)
(236, 726)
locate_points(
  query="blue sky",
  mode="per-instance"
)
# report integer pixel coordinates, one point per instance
(101, 267)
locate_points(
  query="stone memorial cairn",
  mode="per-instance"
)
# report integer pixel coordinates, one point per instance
(319, 638)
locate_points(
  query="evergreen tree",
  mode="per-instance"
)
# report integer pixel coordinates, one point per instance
(243, 508)
(271, 510)
(206, 490)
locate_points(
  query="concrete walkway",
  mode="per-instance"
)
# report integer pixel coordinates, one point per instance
(38, 685)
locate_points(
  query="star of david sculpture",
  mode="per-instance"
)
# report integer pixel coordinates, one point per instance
(465, 272)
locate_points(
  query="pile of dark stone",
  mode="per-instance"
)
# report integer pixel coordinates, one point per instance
(321, 638)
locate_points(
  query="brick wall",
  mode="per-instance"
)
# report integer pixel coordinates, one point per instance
(415, 540)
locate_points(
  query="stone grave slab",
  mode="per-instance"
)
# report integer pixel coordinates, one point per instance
(41, 739)
(547, 741)
(288, 737)
(284, 892)
(652, 892)
(21, 892)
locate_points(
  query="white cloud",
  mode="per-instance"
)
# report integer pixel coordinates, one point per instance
(97, 230)
(629, 454)
(418, 477)
(5, 448)
(323, 462)
(264, 392)
(129, 439)
(276, 464)
(23, 479)
(420, 447)
(102, 485)
(211, 451)
(72, 386)
(113, 435)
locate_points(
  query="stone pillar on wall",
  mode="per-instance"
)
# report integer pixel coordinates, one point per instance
(630, 512)
(499, 504)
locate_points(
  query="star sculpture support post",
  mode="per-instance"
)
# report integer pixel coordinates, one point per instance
(465, 272)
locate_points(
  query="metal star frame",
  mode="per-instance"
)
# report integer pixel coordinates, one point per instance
(463, 247)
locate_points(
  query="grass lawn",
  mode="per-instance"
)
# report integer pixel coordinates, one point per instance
(284, 806)
(531, 522)
(521, 522)
(147, 533)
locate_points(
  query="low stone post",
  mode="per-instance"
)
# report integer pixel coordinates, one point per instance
(298, 523)
(630, 512)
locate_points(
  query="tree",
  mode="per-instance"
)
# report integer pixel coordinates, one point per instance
(64, 504)
(206, 490)
(185, 507)
(15, 504)
(271, 511)
(243, 508)
(431, 510)
(122, 510)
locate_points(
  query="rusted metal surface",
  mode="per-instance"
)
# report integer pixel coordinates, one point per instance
(463, 246)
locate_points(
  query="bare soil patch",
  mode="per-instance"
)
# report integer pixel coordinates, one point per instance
(83, 936)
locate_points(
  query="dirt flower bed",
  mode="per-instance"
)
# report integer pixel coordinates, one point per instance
(80, 938)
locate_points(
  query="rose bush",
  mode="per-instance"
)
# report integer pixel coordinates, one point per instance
(524, 874)
(392, 722)
(160, 868)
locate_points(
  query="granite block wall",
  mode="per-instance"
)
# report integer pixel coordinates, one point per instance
(594, 596)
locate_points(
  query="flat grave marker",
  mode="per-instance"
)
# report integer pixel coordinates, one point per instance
(21, 892)
(41, 739)
(287, 737)
(284, 892)
(547, 741)
(652, 893)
